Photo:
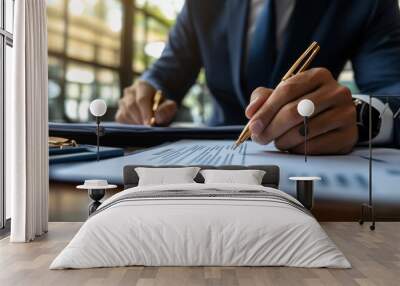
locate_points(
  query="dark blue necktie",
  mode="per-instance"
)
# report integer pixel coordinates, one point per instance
(262, 51)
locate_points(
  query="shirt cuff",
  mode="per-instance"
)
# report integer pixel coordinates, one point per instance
(385, 135)
(149, 78)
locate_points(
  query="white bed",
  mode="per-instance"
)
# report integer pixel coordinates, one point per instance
(203, 225)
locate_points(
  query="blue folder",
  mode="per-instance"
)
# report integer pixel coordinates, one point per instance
(125, 135)
(82, 153)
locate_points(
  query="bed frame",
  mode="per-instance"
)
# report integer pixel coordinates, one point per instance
(270, 179)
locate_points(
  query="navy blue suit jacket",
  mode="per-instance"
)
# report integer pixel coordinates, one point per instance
(212, 33)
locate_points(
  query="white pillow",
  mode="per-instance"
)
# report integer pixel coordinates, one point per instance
(166, 176)
(247, 177)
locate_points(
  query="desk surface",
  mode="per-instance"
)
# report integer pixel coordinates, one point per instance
(343, 178)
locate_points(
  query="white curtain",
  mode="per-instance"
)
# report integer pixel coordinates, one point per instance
(26, 124)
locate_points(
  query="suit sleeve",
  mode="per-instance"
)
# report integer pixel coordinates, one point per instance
(179, 65)
(377, 63)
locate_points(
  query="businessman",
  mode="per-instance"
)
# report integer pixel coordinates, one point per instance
(246, 46)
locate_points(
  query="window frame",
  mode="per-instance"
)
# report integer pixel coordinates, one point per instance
(6, 39)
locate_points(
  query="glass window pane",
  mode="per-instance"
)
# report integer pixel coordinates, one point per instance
(55, 9)
(150, 36)
(72, 90)
(55, 101)
(108, 57)
(95, 24)
(111, 41)
(55, 68)
(55, 4)
(139, 63)
(81, 50)
(94, 40)
(156, 37)
(139, 31)
(77, 101)
(77, 109)
(86, 92)
(157, 31)
(71, 109)
(9, 15)
(108, 81)
(80, 74)
(80, 90)
(105, 76)
(1, 16)
(81, 33)
(55, 42)
(8, 90)
(54, 89)
(165, 9)
(9, 67)
(55, 25)
(83, 111)
(140, 3)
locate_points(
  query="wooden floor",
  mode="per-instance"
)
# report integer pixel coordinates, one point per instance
(375, 257)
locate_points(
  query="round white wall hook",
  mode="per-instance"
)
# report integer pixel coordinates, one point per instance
(306, 108)
(98, 107)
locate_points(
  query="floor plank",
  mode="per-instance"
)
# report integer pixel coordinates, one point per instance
(375, 257)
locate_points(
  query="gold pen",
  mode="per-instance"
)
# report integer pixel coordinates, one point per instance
(158, 97)
(305, 59)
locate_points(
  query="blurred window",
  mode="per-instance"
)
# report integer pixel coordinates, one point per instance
(139, 40)
(116, 40)
(84, 44)
(6, 71)
(98, 47)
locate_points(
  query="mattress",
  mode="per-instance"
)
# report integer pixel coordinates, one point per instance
(201, 225)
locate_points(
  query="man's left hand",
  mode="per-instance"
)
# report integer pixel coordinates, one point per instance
(332, 128)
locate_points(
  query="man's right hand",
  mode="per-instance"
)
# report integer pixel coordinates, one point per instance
(136, 106)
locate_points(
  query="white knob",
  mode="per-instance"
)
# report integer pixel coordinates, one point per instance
(305, 108)
(98, 107)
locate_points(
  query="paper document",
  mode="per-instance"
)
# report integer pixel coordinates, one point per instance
(343, 176)
(197, 153)
(339, 173)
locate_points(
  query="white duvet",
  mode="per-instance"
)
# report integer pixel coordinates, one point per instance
(203, 231)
